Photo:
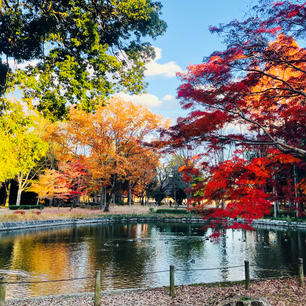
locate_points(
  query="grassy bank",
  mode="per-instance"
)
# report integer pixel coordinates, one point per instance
(54, 213)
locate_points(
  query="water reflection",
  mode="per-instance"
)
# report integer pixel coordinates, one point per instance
(126, 253)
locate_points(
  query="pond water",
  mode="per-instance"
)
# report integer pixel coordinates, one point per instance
(126, 254)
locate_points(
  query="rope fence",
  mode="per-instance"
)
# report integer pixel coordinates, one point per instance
(171, 271)
(46, 281)
(210, 269)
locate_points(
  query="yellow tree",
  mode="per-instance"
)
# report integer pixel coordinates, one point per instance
(21, 138)
(8, 160)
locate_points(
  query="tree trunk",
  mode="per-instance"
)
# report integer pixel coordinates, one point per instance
(8, 192)
(130, 194)
(107, 202)
(275, 209)
(295, 192)
(106, 208)
(19, 191)
(102, 197)
(275, 202)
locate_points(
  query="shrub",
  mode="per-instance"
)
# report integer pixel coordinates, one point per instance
(23, 207)
(21, 212)
(172, 211)
(121, 203)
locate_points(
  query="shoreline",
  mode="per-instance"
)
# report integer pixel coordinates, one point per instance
(152, 296)
(36, 224)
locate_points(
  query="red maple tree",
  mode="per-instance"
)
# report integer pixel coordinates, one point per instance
(73, 175)
(251, 97)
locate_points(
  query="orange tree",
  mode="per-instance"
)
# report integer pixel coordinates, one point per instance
(140, 172)
(111, 142)
(68, 182)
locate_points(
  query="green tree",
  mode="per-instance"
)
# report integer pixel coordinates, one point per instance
(86, 50)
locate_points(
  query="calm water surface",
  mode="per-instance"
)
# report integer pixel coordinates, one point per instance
(126, 254)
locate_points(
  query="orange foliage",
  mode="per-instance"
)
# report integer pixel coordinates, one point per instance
(110, 140)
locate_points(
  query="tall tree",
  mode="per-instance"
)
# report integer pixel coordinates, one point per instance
(255, 91)
(111, 139)
(8, 160)
(27, 147)
(140, 172)
(84, 51)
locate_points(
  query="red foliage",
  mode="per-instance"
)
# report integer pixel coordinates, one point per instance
(19, 212)
(256, 90)
(72, 178)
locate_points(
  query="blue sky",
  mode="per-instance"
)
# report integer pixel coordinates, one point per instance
(187, 40)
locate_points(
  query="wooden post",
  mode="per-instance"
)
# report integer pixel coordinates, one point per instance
(97, 288)
(301, 272)
(247, 274)
(172, 293)
(2, 291)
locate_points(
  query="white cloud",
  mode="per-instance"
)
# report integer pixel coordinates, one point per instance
(167, 70)
(168, 98)
(144, 99)
(14, 65)
(158, 54)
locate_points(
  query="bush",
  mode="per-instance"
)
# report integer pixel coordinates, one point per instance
(21, 212)
(286, 213)
(151, 210)
(94, 204)
(172, 211)
(23, 207)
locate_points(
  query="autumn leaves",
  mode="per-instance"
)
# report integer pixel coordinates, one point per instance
(249, 99)
(101, 153)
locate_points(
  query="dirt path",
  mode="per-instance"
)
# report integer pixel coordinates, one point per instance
(279, 292)
(67, 213)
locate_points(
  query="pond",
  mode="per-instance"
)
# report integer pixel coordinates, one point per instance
(126, 254)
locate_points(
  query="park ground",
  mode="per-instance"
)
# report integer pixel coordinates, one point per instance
(279, 292)
(49, 213)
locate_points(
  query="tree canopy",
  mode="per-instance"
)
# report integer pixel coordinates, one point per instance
(84, 51)
(110, 141)
(22, 147)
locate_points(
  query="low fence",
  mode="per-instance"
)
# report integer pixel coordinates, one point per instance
(171, 271)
